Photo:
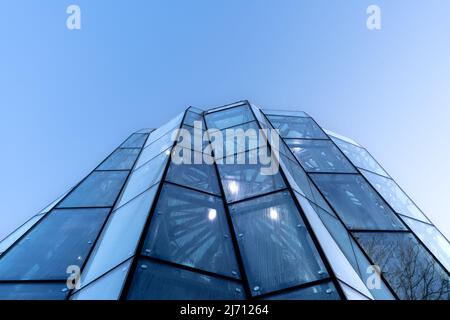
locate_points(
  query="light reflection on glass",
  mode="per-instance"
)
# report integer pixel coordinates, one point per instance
(212, 214)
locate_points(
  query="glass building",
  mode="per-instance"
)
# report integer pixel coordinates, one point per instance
(330, 224)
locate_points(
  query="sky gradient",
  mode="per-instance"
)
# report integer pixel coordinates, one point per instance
(68, 98)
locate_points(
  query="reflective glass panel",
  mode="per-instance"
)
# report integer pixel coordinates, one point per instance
(190, 228)
(357, 204)
(292, 113)
(229, 117)
(239, 139)
(192, 117)
(433, 239)
(19, 232)
(136, 140)
(144, 177)
(63, 238)
(360, 157)
(319, 156)
(121, 159)
(343, 138)
(120, 237)
(392, 193)
(33, 291)
(300, 182)
(275, 245)
(242, 181)
(297, 127)
(325, 291)
(163, 130)
(156, 281)
(352, 252)
(108, 287)
(154, 149)
(198, 176)
(99, 189)
(408, 267)
(194, 138)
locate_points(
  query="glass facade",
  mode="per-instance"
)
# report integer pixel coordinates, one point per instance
(328, 224)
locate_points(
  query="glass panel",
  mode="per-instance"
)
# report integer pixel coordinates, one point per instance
(343, 138)
(242, 181)
(143, 178)
(352, 252)
(63, 238)
(145, 130)
(192, 117)
(155, 149)
(357, 204)
(120, 237)
(392, 193)
(295, 127)
(240, 138)
(190, 228)
(196, 110)
(408, 267)
(433, 239)
(156, 281)
(352, 293)
(229, 117)
(319, 156)
(325, 291)
(276, 247)
(300, 182)
(291, 113)
(19, 232)
(108, 287)
(33, 291)
(198, 176)
(54, 203)
(121, 159)
(163, 130)
(100, 189)
(227, 106)
(136, 140)
(360, 157)
(198, 139)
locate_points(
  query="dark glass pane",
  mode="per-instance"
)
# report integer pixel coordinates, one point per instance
(33, 291)
(319, 156)
(360, 157)
(276, 247)
(156, 281)
(136, 140)
(411, 271)
(392, 193)
(297, 127)
(121, 159)
(100, 189)
(198, 176)
(190, 228)
(325, 291)
(358, 205)
(61, 239)
(242, 181)
(229, 117)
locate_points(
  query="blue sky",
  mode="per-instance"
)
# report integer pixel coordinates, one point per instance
(68, 98)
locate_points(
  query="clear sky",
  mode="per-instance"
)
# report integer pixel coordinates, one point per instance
(68, 98)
